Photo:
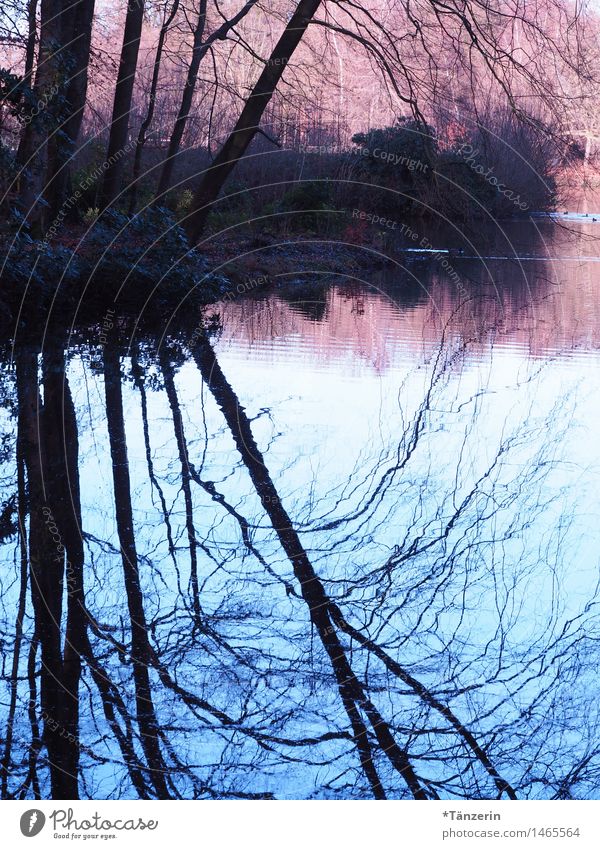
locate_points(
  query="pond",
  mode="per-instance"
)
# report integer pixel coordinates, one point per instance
(335, 538)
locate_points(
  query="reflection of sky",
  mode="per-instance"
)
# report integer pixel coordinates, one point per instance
(332, 416)
(328, 422)
(332, 426)
(327, 411)
(328, 417)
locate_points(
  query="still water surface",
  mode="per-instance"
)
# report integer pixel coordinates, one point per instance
(425, 441)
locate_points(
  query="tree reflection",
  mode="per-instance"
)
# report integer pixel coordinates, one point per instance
(195, 627)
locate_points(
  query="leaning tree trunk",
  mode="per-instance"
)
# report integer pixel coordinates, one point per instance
(119, 124)
(199, 51)
(248, 122)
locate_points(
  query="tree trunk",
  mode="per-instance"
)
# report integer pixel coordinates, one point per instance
(199, 51)
(248, 122)
(32, 153)
(186, 101)
(119, 125)
(31, 39)
(140, 646)
(141, 139)
(76, 36)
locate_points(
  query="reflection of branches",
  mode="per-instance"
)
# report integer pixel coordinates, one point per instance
(351, 691)
(22, 516)
(167, 371)
(189, 471)
(428, 697)
(400, 651)
(325, 614)
(141, 652)
(139, 383)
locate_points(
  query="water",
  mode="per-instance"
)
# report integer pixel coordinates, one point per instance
(356, 553)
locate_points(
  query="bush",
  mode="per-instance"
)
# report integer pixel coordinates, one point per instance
(309, 198)
(401, 158)
(8, 169)
(90, 215)
(503, 166)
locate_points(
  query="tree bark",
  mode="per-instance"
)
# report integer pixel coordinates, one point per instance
(141, 139)
(186, 101)
(32, 153)
(119, 125)
(76, 36)
(48, 140)
(31, 39)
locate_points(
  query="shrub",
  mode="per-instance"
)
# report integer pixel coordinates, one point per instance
(90, 215)
(503, 165)
(184, 203)
(309, 198)
(401, 158)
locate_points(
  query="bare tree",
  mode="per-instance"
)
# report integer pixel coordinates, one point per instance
(200, 48)
(248, 123)
(169, 16)
(119, 123)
